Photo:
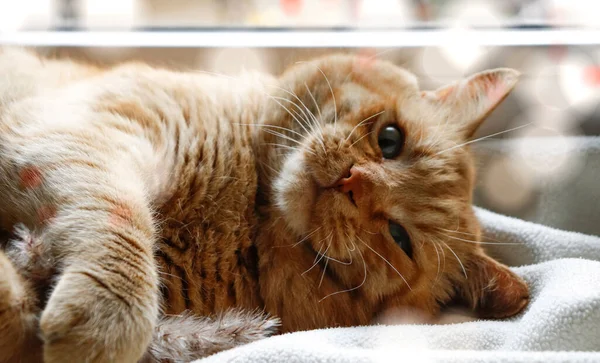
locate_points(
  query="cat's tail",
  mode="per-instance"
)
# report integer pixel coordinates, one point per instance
(186, 337)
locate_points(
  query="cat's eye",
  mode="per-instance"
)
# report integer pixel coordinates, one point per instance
(401, 237)
(391, 141)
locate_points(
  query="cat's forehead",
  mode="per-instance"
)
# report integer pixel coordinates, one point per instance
(362, 74)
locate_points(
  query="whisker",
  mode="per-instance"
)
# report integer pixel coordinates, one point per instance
(283, 136)
(361, 123)
(323, 273)
(469, 234)
(289, 147)
(483, 138)
(345, 263)
(483, 242)
(437, 275)
(306, 237)
(316, 104)
(386, 261)
(443, 256)
(275, 127)
(332, 258)
(353, 245)
(318, 122)
(333, 97)
(457, 259)
(369, 232)
(353, 288)
(318, 259)
(289, 112)
(308, 114)
(300, 241)
(362, 137)
(168, 274)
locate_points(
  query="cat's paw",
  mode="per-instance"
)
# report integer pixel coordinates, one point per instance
(85, 321)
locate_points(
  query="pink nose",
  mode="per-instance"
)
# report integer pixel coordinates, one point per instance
(353, 182)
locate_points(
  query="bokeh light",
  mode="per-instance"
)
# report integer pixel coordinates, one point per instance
(507, 185)
(232, 61)
(14, 14)
(117, 14)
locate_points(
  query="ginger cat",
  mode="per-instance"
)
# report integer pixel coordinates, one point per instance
(167, 215)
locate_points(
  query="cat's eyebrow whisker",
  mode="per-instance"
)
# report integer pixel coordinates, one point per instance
(386, 261)
(360, 138)
(316, 105)
(361, 123)
(333, 97)
(353, 288)
(457, 258)
(318, 122)
(483, 138)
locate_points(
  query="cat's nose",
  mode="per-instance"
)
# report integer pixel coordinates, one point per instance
(352, 183)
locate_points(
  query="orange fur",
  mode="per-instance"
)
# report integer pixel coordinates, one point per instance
(219, 192)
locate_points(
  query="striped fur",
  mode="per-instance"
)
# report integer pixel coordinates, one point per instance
(212, 193)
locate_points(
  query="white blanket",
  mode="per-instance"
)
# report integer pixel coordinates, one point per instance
(561, 323)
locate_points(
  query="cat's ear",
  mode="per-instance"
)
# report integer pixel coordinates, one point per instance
(468, 102)
(491, 289)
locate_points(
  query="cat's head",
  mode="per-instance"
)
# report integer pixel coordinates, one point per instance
(374, 174)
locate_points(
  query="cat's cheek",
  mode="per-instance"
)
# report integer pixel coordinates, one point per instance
(295, 193)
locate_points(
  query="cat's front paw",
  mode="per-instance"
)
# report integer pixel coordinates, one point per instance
(85, 321)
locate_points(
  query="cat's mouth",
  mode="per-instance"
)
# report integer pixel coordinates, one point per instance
(349, 195)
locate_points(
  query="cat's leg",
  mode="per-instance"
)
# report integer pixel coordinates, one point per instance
(18, 316)
(105, 304)
(187, 337)
(98, 222)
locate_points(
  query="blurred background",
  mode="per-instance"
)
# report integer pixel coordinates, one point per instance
(554, 43)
